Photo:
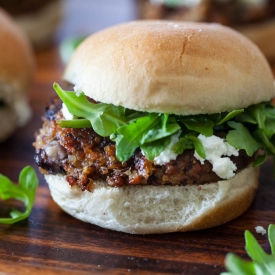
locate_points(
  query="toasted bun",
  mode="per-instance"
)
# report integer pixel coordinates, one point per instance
(171, 67)
(16, 74)
(157, 209)
(263, 35)
(41, 26)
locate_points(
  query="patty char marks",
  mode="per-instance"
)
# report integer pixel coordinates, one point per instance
(84, 157)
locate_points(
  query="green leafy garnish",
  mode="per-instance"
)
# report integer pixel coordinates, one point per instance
(105, 118)
(247, 129)
(262, 263)
(241, 138)
(24, 191)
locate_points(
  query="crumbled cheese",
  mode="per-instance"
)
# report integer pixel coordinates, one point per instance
(77, 90)
(260, 230)
(67, 115)
(216, 149)
(167, 155)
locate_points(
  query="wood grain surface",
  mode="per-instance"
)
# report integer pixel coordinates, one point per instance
(52, 242)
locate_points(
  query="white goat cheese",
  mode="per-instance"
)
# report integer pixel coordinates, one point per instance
(67, 115)
(259, 229)
(167, 155)
(216, 149)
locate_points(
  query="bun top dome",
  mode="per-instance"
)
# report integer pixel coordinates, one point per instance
(171, 67)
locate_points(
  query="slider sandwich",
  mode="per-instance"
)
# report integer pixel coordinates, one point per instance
(163, 130)
(39, 19)
(16, 76)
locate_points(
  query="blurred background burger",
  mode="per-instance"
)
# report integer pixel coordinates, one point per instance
(254, 18)
(38, 18)
(16, 76)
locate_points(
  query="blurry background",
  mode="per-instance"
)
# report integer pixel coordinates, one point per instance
(52, 21)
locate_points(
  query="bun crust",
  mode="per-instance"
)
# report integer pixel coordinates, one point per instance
(16, 72)
(157, 209)
(171, 67)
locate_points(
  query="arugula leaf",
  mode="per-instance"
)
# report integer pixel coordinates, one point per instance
(74, 123)
(154, 148)
(105, 118)
(241, 138)
(227, 116)
(264, 130)
(24, 191)
(262, 263)
(130, 137)
(200, 124)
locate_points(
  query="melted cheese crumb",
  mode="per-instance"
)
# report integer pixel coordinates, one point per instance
(217, 151)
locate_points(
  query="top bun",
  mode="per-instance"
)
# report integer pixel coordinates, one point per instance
(16, 69)
(182, 68)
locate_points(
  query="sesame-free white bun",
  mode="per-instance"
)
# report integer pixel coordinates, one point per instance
(16, 75)
(171, 67)
(157, 209)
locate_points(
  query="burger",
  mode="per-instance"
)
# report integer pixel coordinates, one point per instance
(39, 19)
(160, 127)
(254, 18)
(16, 75)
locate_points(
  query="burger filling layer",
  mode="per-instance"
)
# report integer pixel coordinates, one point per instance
(127, 147)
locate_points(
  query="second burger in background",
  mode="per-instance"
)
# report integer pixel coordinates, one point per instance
(39, 19)
(253, 18)
(162, 130)
(16, 76)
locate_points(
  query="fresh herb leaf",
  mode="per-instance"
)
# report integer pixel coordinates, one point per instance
(24, 191)
(262, 263)
(224, 117)
(154, 148)
(200, 124)
(75, 123)
(105, 118)
(183, 144)
(241, 138)
(130, 137)
(189, 141)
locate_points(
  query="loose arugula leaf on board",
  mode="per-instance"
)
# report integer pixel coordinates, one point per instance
(24, 191)
(261, 264)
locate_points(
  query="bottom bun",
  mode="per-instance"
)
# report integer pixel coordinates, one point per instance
(157, 209)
